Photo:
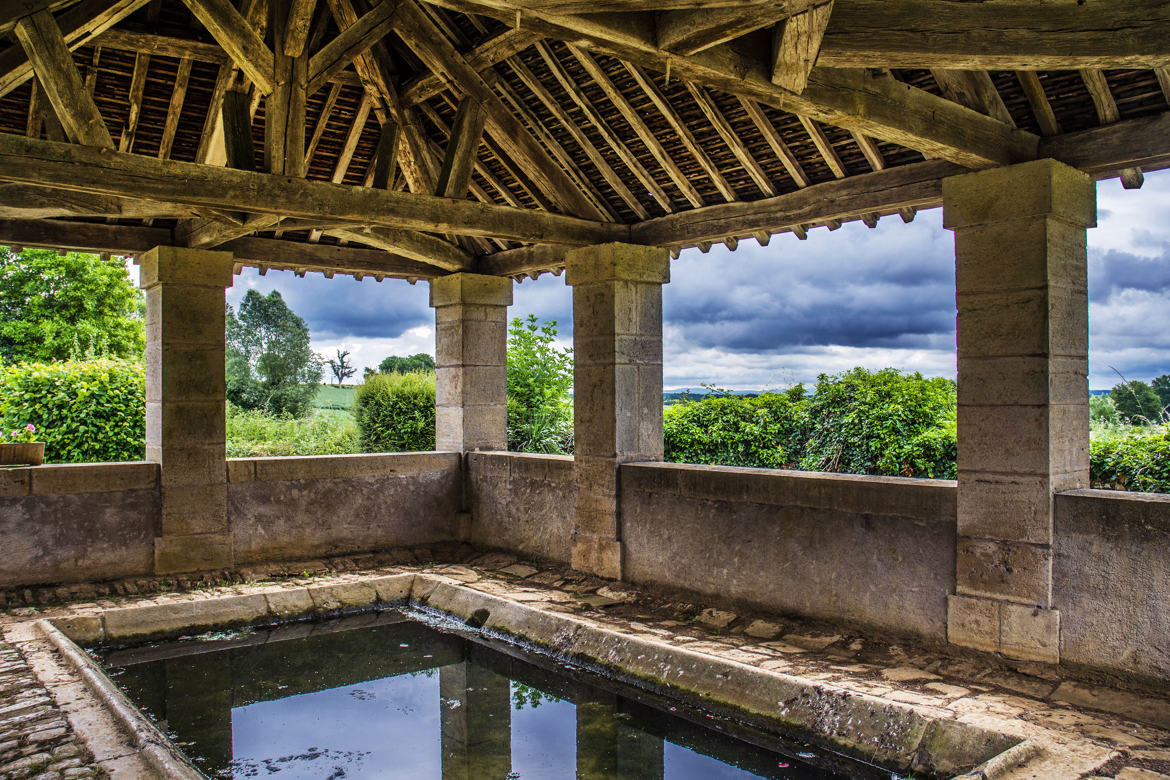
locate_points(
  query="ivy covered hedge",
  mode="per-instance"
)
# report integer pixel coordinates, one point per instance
(1133, 462)
(85, 411)
(396, 412)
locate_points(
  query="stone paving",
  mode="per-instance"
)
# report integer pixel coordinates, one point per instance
(35, 738)
(1130, 728)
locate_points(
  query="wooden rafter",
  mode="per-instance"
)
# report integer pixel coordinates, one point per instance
(488, 54)
(731, 139)
(238, 38)
(174, 109)
(137, 88)
(1131, 178)
(796, 45)
(975, 90)
(1038, 100)
(781, 150)
(296, 30)
(338, 53)
(462, 148)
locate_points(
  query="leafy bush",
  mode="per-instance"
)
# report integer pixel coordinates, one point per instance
(1137, 403)
(1102, 409)
(85, 412)
(882, 422)
(396, 412)
(767, 431)
(1135, 460)
(252, 434)
(540, 412)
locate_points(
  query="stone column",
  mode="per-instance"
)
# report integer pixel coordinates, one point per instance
(1023, 394)
(617, 386)
(471, 345)
(185, 405)
(475, 722)
(608, 747)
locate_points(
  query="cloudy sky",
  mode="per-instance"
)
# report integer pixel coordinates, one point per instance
(766, 317)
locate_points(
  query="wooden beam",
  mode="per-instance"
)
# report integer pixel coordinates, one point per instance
(284, 111)
(79, 25)
(322, 122)
(536, 258)
(385, 157)
(1041, 108)
(781, 150)
(729, 136)
(45, 47)
(872, 103)
(296, 30)
(25, 201)
(137, 88)
(409, 244)
(462, 148)
(437, 53)
(824, 147)
(1107, 113)
(1012, 35)
(85, 169)
(796, 44)
(239, 147)
(692, 31)
(491, 52)
(338, 53)
(81, 236)
(175, 109)
(975, 90)
(238, 38)
(638, 125)
(918, 185)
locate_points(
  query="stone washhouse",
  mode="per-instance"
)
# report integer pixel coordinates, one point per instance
(470, 144)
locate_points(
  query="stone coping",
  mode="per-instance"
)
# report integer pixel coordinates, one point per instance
(61, 478)
(389, 464)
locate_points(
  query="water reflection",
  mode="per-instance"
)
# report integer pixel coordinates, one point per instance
(397, 699)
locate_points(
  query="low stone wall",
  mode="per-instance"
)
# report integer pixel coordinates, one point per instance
(521, 502)
(77, 522)
(1111, 580)
(877, 551)
(287, 508)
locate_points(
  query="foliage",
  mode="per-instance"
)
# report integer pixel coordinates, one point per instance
(1134, 459)
(540, 375)
(1102, 409)
(21, 434)
(269, 363)
(527, 696)
(86, 412)
(1161, 386)
(252, 433)
(396, 412)
(341, 367)
(57, 307)
(767, 431)
(1137, 403)
(405, 365)
(882, 422)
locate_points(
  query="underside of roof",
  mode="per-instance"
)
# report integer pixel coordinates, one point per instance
(743, 118)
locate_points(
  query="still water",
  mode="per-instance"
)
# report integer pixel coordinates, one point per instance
(384, 696)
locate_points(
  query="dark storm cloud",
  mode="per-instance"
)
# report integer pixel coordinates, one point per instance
(342, 307)
(1113, 272)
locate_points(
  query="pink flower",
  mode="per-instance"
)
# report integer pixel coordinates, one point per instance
(30, 427)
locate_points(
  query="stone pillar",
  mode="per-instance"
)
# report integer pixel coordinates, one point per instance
(471, 346)
(617, 386)
(1023, 394)
(185, 405)
(475, 722)
(608, 747)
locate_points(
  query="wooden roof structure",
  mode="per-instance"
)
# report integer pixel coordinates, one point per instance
(410, 138)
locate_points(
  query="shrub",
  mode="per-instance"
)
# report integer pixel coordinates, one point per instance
(86, 412)
(252, 434)
(882, 422)
(765, 432)
(396, 412)
(1139, 460)
(540, 412)
(1137, 403)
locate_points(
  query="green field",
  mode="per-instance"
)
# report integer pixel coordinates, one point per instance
(334, 397)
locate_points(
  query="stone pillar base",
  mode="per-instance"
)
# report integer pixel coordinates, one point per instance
(1017, 631)
(597, 555)
(192, 552)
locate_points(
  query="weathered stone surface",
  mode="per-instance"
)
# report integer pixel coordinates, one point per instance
(184, 616)
(1005, 570)
(973, 622)
(93, 478)
(192, 552)
(1029, 633)
(716, 618)
(1032, 189)
(521, 502)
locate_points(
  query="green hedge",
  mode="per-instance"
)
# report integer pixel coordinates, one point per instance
(254, 434)
(85, 412)
(1132, 462)
(764, 432)
(396, 412)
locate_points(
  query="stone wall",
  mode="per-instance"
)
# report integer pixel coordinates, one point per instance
(1111, 580)
(72, 523)
(878, 551)
(288, 508)
(521, 502)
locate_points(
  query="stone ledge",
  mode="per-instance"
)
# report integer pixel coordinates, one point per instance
(395, 464)
(92, 478)
(923, 499)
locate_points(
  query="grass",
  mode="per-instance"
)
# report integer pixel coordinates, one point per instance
(335, 397)
(325, 432)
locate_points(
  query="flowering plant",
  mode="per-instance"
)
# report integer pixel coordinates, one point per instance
(24, 435)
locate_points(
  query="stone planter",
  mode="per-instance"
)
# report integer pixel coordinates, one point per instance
(22, 454)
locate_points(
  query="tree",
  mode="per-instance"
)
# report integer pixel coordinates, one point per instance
(341, 367)
(57, 307)
(1137, 403)
(540, 413)
(270, 365)
(406, 365)
(1161, 386)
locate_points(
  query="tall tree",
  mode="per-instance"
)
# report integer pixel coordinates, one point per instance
(1161, 386)
(56, 307)
(270, 365)
(341, 367)
(404, 365)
